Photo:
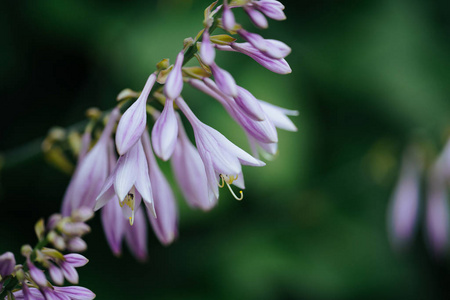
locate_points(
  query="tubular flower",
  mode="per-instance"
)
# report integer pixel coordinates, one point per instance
(189, 172)
(91, 173)
(164, 132)
(174, 82)
(403, 211)
(279, 66)
(129, 181)
(220, 157)
(165, 225)
(133, 122)
(271, 48)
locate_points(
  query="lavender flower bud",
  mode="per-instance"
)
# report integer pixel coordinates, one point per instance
(271, 48)
(228, 20)
(165, 225)
(164, 132)
(36, 274)
(207, 51)
(83, 214)
(174, 82)
(7, 263)
(133, 122)
(257, 17)
(53, 221)
(271, 8)
(76, 244)
(224, 81)
(403, 211)
(249, 104)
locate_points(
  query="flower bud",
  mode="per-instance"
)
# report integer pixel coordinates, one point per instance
(165, 131)
(224, 81)
(7, 263)
(76, 244)
(174, 82)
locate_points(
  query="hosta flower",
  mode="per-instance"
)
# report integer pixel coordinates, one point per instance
(220, 156)
(271, 8)
(7, 263)
(129, 181)
(56, 292)
(403, 211)
(257, 17)
(278, 116)
(136, 236)
(164, 132)
(271, 48)
(189, 172)
(67, 268)
(224, 80)
(207, 51)
(133, 122)
(263, 131)
(166, 222)
(437, 218)
(91, 173)
(174, 82)
(279, 66)
(228, 20)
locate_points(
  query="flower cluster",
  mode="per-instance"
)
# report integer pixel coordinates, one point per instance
(29, 281)
(119, 178)
(404, 209)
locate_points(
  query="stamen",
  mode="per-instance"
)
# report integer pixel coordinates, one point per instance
(130, 202)
(234, 195)
(223, 181)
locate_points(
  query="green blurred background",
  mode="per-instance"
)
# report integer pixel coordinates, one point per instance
(368, 77)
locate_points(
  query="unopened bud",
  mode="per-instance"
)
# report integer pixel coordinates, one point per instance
(26, 250)
(56, 240)
(7, 263)
(127, 94)
(82, 214)
(39, 229)
(188, 42)
(76, 244)
(163, 64)
(20, 275)
(93, 113)
(53, 221)
(162, 76)
(75, 229)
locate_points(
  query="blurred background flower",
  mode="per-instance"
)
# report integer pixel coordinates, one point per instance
(367, 76)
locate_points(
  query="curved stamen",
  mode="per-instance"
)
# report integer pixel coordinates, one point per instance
(234, 195)
(223, 181)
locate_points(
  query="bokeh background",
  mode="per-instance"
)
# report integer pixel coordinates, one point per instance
(368, 78)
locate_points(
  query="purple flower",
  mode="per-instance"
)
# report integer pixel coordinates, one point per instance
(136, 236)
(207, 51)
(129, 181)
(436, 219)
(271, 48)
(36, 274)
(271, 8)
(164, 132)
(219, 155)
(64, 292)
(224, 81)
(133, 122)
(112, 225)
(165, 225)
(189, 172)
(228, 20)
(91, 172)
(403, 210)
(174, 82)
(7, 263)
(66, 268)
(249, 104)
(257, 17)
(278, 116)
(263, 131)
(279, 66)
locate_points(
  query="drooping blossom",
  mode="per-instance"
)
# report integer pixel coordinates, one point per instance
(56, 292)
(437, 210)
(174, 82)
(207, 51)
(271, 48)
(224, 80)
(133, 122)
(164, 132)
(130, 182)
(166, 223)
(263, 131)
(403, 210)
(189, 172)
(271, 8)
(220, 156)
(90, 173)
(279, 66)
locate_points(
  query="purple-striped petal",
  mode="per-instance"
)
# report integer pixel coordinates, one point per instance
(224, 81)
(136, 236)
(134, 120)
(174, 82)
(164, 132)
